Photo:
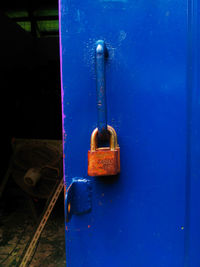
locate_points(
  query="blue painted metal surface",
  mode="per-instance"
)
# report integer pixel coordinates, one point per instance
(149, 216)
(101, 54)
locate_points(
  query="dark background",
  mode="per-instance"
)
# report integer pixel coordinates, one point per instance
(30, 74)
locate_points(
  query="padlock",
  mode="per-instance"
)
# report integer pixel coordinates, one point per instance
(104, 161)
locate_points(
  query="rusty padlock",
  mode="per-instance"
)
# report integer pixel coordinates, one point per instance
(104, 161)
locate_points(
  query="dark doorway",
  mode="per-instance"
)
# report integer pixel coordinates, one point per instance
(30, 116)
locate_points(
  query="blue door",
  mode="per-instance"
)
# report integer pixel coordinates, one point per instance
(148, 215)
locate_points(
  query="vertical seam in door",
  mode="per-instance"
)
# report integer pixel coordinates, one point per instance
(189, 88)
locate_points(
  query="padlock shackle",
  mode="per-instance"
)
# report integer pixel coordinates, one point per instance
(113, 139)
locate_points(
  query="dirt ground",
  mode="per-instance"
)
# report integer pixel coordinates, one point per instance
(17, 226)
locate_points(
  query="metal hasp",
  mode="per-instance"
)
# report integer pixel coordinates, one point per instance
(101, 54)
(78, 198)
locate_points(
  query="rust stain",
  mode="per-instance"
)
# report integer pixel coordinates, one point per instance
(69, 208)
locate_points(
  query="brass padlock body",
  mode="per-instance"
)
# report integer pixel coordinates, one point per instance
(104, 161)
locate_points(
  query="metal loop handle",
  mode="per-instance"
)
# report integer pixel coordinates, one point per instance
(101, 54)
